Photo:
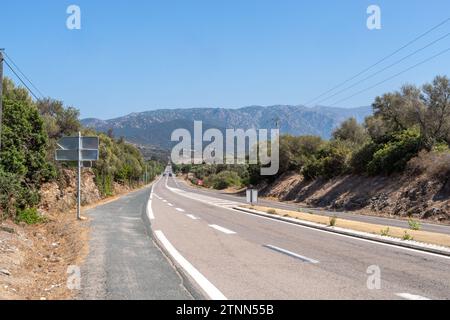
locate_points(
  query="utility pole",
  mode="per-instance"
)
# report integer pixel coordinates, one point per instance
(1, 95)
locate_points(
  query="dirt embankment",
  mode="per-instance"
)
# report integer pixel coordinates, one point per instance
(401, 195)
(34, 260)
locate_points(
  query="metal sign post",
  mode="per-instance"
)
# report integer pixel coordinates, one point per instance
(80, 149)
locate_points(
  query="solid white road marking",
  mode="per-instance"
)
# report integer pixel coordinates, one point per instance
(340, 235)
(222, 229)
(192, 216)
(186, 194)
(292, 254)
(150, 214)
(204, 283)
(179, 209)
(410, 296)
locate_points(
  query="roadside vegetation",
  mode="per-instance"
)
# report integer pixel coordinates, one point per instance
(30, 131)
(409, 131)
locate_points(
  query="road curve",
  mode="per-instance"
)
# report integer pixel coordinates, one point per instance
(242, 256)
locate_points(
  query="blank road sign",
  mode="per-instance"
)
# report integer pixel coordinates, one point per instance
(89, 143)
(71, 143)
(66, 155)
(68, 143)
(89, 155)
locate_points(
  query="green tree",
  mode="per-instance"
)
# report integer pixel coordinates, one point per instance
(351, 131)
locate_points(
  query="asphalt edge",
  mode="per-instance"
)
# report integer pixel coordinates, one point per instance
(355, 234)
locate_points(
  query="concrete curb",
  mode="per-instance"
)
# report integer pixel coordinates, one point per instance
(430, 248)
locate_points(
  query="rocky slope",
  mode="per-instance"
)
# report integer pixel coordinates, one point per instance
(402, 195)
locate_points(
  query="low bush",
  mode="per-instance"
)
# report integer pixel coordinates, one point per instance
(223, 180)
(29, 216)
(333, 221)
(414, 224)
(385, 232)
(332, 160)
(395, 154)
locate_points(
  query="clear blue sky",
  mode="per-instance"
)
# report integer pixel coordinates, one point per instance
(140, 55)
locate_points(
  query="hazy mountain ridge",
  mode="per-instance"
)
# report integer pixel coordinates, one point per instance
(155, 127)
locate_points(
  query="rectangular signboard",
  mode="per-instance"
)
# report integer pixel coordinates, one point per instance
(72, 155)
(71, 143)
(66, 155)
(89, 155)
(68, 143)
(89, 143)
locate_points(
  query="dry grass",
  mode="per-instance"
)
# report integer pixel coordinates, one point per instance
(421, 236)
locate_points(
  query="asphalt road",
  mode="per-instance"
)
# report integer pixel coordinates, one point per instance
(234, 255)
(123, 262)
(394, 222)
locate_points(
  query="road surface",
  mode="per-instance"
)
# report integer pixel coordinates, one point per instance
(177, 243)
(123, 261)
(292, 206)
(234, 255)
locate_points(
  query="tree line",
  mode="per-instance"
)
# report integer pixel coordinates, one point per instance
(30, 131)
(409, 129)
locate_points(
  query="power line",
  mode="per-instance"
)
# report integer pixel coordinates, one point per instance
(9, 66)
(380, 61)
(24, 75)
(392, 77)
(384, 69)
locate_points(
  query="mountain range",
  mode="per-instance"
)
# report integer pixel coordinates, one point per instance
(153, 128)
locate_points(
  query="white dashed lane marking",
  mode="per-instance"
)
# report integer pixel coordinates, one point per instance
(222, 229)
(409, 296)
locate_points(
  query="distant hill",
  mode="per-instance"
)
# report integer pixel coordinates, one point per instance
(154, 128)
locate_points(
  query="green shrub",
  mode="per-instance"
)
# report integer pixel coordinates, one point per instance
(395, 154)
(29, 216)
(407, 236)
(363, 156)
(414, 224)
(385, 232)
(332, 160)
(223, 180)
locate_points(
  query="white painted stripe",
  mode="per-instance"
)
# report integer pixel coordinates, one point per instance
(150, 214)
(222, 229)
(179, 209)
(409, 296)
(192, 216)
(204, 283)
(165, 201)
(187, 195)
(292, 254)
(170, 205)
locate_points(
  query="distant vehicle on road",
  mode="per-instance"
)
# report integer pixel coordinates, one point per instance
(170, 174)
